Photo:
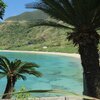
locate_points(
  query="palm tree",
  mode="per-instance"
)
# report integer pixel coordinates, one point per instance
(83, 18)
(15, 70)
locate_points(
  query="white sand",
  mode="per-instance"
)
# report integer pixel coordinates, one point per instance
(40, 52)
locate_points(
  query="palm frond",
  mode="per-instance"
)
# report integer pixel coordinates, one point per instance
(17, 68)
(3, 68)
(2, 74)
(67, 93)
(2, 8)
(29, 65)
(21, 76)
(4, 62)
(15, 65)
(32, 91)
(54, 9)
(7, 60)
(50, 23)
(78, 13)
(38, 91)
(36, 73)
(32, 72)
(26, 66)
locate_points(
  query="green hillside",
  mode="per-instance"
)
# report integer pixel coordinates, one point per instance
(20, 36)
(28, 16)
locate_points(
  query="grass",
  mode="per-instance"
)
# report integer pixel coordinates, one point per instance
(39, 47)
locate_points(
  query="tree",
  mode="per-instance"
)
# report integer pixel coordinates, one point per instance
(15, 70)
(2, 9)
(83, 18)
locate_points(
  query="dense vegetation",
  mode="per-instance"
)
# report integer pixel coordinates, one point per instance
(16, 34)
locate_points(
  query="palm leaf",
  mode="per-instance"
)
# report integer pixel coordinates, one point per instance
(3, 68)
(26, 66)
(21, 76)
(57, 91)
(4, 62)
(14, 65)
(36, 73)
(50, 23)
(53, 9)
(18, 68)
(2, 74)
(29, 65)
(75, 12)
(32, 72)
(7, 60)
(2, 8)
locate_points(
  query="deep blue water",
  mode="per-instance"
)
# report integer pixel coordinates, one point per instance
(59, 72)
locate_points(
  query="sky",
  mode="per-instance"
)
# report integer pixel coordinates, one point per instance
(16, 7)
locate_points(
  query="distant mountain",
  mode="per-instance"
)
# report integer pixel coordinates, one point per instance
(27, 16)
(20, 36)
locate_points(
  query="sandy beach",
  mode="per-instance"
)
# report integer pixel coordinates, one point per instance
(40, 52)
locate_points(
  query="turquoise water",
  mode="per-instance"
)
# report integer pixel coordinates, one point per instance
(59, 72)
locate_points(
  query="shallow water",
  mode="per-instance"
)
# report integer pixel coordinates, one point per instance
(59, 72)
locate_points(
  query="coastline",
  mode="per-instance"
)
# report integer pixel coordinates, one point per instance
(40, 52)
(74, 97)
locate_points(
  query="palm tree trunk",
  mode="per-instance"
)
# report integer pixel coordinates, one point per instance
(9, 88)
(90, 62)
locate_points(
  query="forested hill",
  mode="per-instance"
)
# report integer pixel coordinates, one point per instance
(17, 34)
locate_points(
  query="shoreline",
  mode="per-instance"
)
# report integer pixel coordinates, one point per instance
(41, 52)
(76, 97)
